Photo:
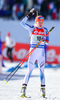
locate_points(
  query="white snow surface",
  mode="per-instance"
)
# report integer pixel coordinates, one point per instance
(11, 90)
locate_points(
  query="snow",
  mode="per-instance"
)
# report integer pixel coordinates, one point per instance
(11, 90)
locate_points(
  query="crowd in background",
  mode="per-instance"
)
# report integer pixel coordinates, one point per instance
(16, 9)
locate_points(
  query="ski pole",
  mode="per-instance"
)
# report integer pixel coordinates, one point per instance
(21, 63)
(11, 72)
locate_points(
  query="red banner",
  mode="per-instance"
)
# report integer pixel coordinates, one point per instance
(21, 50)
(53, 55)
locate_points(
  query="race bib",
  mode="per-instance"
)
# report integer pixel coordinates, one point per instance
(37, 38)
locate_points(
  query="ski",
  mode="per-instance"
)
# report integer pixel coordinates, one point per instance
(22, 96)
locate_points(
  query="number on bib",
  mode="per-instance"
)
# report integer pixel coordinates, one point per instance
(37, 38)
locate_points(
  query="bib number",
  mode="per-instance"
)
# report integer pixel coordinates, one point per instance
(37, 38)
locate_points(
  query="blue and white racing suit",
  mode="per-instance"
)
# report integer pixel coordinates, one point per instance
(36, 34)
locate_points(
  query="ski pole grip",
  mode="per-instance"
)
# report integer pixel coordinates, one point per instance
(49, 31)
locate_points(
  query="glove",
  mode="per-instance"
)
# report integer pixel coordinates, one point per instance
(32, 12)
(44, 38)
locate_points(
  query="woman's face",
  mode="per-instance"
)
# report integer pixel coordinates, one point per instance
(39, 24)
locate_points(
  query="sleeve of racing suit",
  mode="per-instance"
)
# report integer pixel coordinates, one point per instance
(26, 26)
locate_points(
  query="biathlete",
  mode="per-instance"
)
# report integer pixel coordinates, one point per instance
(37, 32)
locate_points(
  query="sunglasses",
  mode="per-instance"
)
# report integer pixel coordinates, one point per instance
(41, 18)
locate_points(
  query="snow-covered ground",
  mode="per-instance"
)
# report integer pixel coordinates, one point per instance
(11, 90)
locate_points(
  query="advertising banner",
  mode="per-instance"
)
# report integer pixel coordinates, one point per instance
(21, 50)
(53, 54)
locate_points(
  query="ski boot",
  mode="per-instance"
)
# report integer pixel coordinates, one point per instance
(43, 91)
(23, 91)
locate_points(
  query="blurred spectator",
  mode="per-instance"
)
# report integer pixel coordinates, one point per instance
(1, 58)
(9, 43)
(5, 10)
(44, 8)
(0, 54)
(19, 8)
(1, 4)
(58, 8)
(52, 9)
(17, 11)
(37, 4)
(11, 3)
(24, 2)
(29, 4)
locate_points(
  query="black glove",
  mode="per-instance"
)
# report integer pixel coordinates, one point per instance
(32, 12)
